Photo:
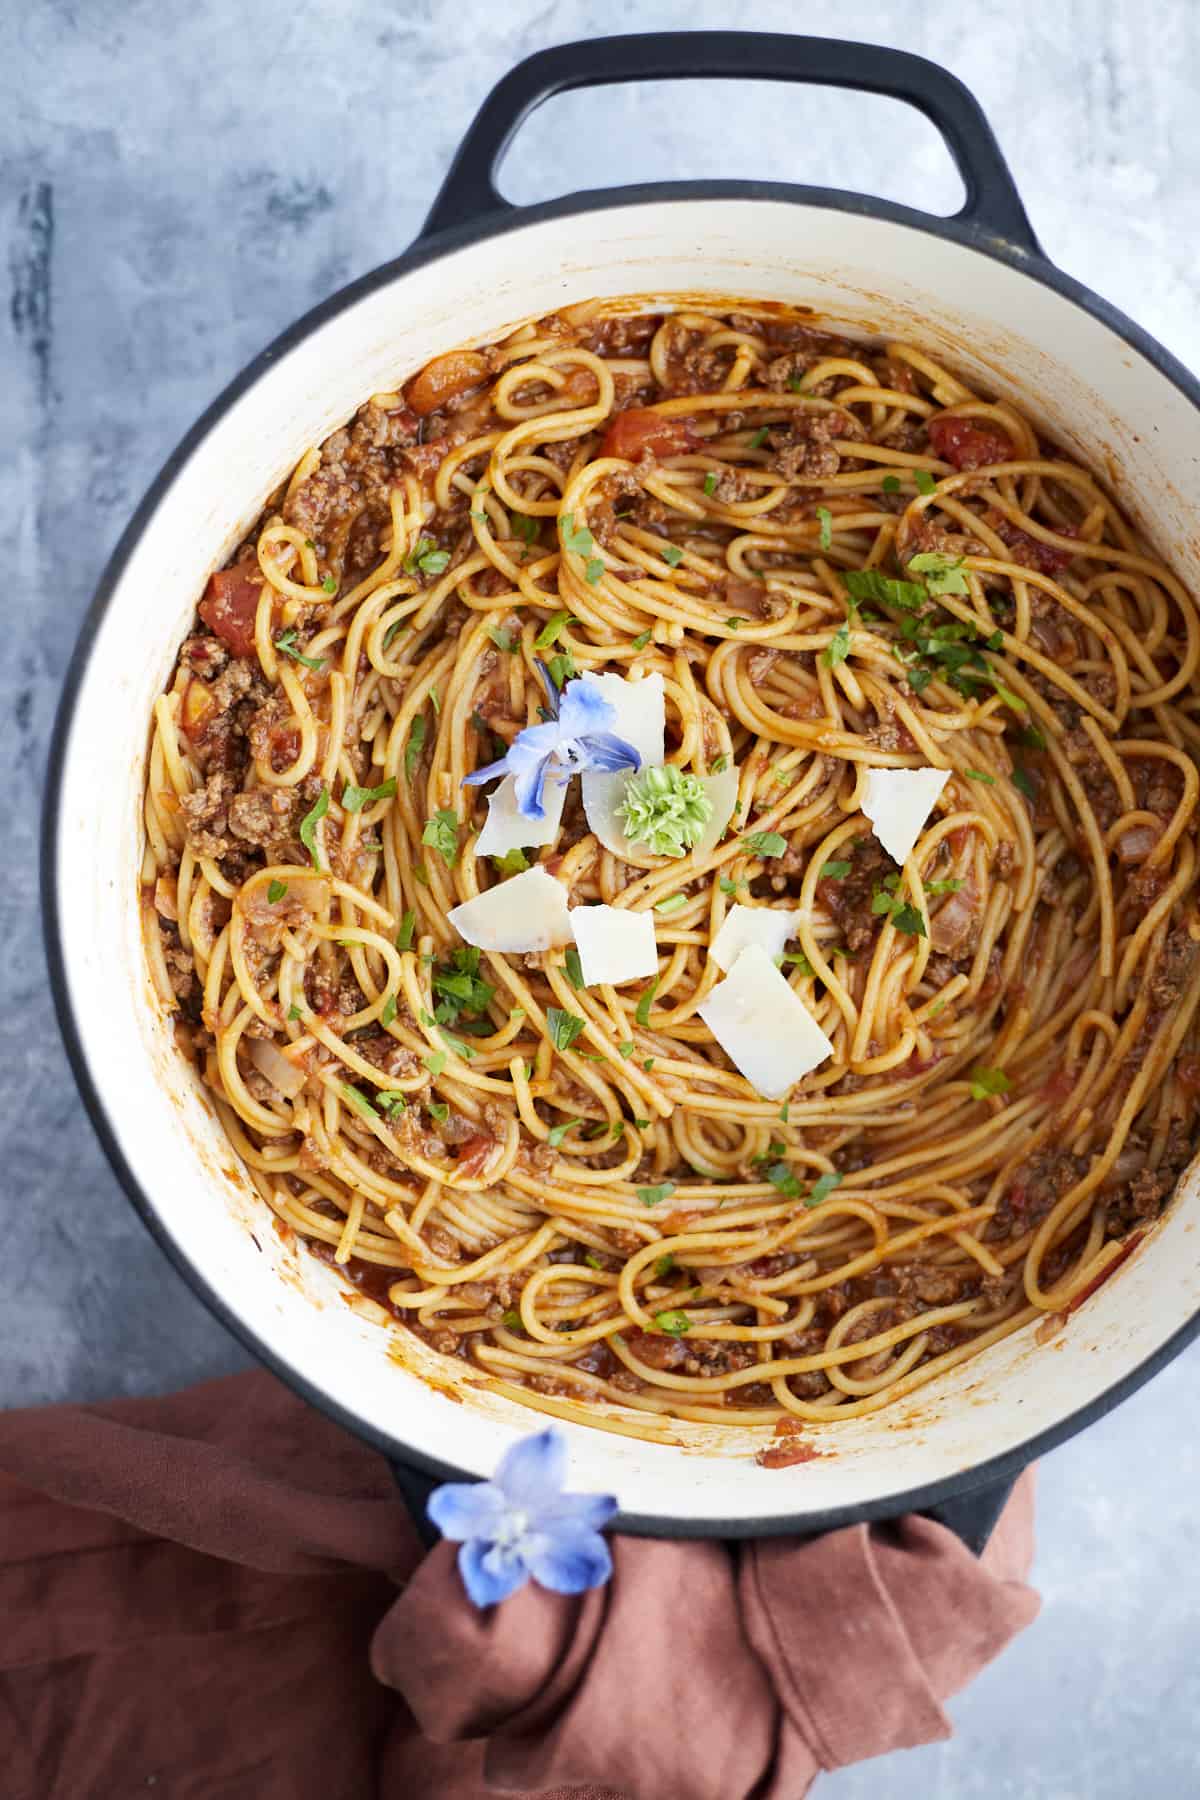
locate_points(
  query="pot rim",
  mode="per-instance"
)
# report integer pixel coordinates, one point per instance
(425, 249)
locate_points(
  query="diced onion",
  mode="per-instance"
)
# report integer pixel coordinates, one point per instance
(270, 1061)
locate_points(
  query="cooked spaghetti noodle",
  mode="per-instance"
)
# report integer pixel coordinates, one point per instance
(611, 1222)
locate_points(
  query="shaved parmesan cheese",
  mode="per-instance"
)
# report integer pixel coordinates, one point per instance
(722, 790)
(507, 828)
(762, 1026)
(641, 719)
(527, 913)
(615, 945)
(768, 926)
(898, 802)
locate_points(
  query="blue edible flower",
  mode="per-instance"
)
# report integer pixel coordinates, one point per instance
(522, 1524)
(578, 735)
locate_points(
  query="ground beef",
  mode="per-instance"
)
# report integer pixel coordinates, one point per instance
(1174, 966)
(204, 654)
(267, 819)
(1033, 1191)
(806, 449)
(220, 742)
(391, 1058)
(623, 337)
(933, 1286)
(610, 498)
(206, 816)
(353, 481)
(849, 900)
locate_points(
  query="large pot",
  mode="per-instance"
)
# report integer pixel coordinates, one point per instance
(975, 288)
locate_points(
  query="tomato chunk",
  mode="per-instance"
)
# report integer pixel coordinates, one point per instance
(445, 378)
(640, 430)
(968, 444)
(230, 605)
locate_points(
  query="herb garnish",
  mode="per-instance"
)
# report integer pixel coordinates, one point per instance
(309, 823)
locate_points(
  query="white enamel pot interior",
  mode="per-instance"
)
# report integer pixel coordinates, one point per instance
(1097, 386)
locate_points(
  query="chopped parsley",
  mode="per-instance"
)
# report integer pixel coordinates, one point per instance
(640, 641)
(943, 574)
(869, 584)
(672, 904)
(626, 1049)
(564, 1027)
(526, 528)
(888, 901)
(574, 968)
(330, 584)
(286, 641)
(926, 483)
(672, 555)
(834, 871)
(391, 1103)
(276, 891)
(580, 541)
(426, 558)
(730, 887)
(1032, 738)
(557, 1133)
(821, 1188)
(562, 669)
(710, 483)
(309, 823)
(404, 937)
(460, 987)
(650, 1196)
(664, 1265)
(355, 798)
(441, 834)
(764, 843)
(980, 775)
(891, 484)
(388, 1014)
(414, 746)
(512, 1319)
(781, 1177)
(642, 1015)
(759, 438)
(503, 640)
(838, 648)
(1022, 780)
(358, 1101)
(937, 888)
(985, 1082)
(550, 630)
(719, 764)
(435, 1062)
(826, 519)
(294, 1013)
(674, 1323)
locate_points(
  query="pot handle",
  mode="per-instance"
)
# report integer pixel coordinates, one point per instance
(992, 206)
(971, 1517)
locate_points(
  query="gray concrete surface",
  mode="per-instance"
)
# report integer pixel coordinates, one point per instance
(177, 182)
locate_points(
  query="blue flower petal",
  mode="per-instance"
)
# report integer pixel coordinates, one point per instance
(604, 750)
(529, 787)
(489, 1573)
(550, 685)
(532, 1472)
(590, 1510)
(490, 773)
(583, 710)
(567, 1561)
(467, 1509)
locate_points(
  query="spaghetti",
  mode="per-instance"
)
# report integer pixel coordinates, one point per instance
(838, 558)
